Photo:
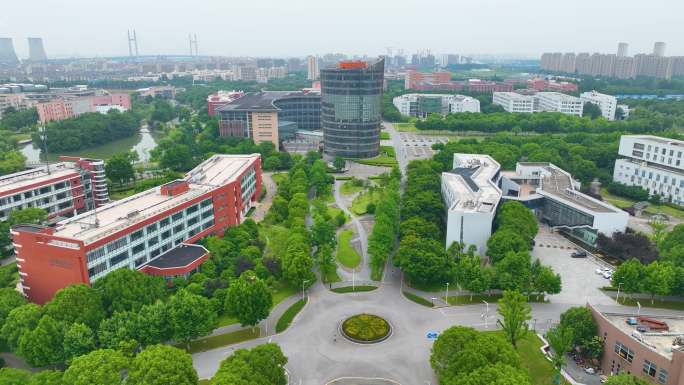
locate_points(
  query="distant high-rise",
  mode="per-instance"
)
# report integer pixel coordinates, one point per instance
(622, 49)
(36, 49)
(312, 68)
(659, 48)
(351, 108)
(7, 54)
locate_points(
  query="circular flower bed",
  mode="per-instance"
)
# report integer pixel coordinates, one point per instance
(366, 328)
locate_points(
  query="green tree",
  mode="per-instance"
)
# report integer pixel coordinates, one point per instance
(162, 365)
(419, 227)
(191, 316)
(47, 377)
(262, 365)
(499, 374)
(12, 376)
(43, 345)
(544, 279)
(424, 260)
(658, 278)
(153, 324)
(630, 274)
(119, 168)
(504, 241)
(249, 299)
(120, 327)
(10, 299)
(594, 348)
(76, 303)
(582, 324)
(471, 275)
(591, 110)
(560, 340)
(79, 339)
(126, 289)
(19, 321)
(101, 367)
(513, 272)
(339, 163)
(515, 312)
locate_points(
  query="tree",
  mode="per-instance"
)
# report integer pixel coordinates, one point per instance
(77, 303)
(47, 377)
(120, 327)
(339, 163)
(471, 275)
(594, 348)
(544, 280)
(630, 274)
(126, 289)
(625, 379)
(19, 321)
(580, 320)
(249, 299)
(504, 241)
(262, 365)
(499, 374)
(515, 312)
(424, 260)
(591, 110)
(659, 278)
(190, 316)
(12, 376)
(323, 232)
(420, 228)
(79, 339)
(10, 299)
(119, 168)
(161, 365)
(43, 345)
(297, 263)
(101, 367)
(153, 324)
(560, 340)
(514, 271)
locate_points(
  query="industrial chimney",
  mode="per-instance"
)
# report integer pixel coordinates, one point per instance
(7, 54)
(36, 49)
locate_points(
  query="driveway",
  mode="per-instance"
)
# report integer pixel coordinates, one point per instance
(264, 205)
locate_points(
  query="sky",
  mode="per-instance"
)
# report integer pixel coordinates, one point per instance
(283, 28)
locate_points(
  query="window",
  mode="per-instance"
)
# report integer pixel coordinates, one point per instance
(97, 269)
(650, 368)
(624, 352)
(191, 209)
(118, 258)
(207, 202)
(136, 235)
(151, 229)
(164, 222)
(153, 241)
(662, 376)
(192, 221)
(178, 228)
(154, 253)
(140, 261)
(165, 247)
(138, 248)
(638, 146)
(177, 216)
(207, 214)
(115, 245)
(95, 254)
(637, 153)
(166, 234)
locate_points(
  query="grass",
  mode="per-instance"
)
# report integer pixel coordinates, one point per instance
(388, 151)
(431, 287)
(343, 177)
(623, 202)
(282, 291)
(334, 212)
(286, 319)
(659, 304)
(330, 276)
(346, 253)
(417, 299)
(226, 319)
(384, 135)
(279, 177)
(276, 240)
(360, 203)
(204, 382)
(382, 161)
(478, 298)
(405, 127)
(349, 188)
(354, 289)
(213, 342)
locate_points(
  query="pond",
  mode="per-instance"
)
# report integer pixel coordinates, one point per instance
(142, 143)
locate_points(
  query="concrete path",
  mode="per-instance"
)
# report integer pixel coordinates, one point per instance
(265, 204)
(363, 271)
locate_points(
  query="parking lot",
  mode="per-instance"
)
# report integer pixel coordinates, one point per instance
(420, 146)
(578, 275)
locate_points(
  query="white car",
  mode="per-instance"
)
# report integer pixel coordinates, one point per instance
(607, 274)
(599, 271)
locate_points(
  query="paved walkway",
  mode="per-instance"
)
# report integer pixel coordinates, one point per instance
(265, 204)
(363, 272)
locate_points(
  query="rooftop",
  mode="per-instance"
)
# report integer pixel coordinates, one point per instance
(180, 256)
(514, 95)
(38, 175)
(118, 215)
(661, 342)
(658, 139)
(471, 182)
(558, 96)
(262, 101)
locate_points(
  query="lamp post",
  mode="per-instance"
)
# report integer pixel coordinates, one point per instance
(486, 314)
(638, 309)
(304, 282)
(447, 294)
(433, 301)
(617, 297)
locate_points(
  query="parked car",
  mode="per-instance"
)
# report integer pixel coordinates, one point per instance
(599, 271)
(631, 321)
(641, 329)
(607, 274)
(579, 254)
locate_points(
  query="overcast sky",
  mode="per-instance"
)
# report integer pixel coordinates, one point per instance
(301, 27)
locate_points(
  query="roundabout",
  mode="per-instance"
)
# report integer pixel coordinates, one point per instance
(366, 329)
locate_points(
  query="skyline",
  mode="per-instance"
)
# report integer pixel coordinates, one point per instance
(278, 29)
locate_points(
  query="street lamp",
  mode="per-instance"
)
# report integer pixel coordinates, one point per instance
(304, 282)
(617, 297)
(433, 301)
(486, 314)
(447, 293)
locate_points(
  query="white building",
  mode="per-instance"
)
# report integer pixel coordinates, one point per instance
(471, 195)
(656, 164)
(558, 102)
(313, 71)
(421, 105)
(607, 103)
(514, 102)
(473, 189)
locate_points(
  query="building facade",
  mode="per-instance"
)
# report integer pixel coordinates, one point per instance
(607, 103)
(421, 105)
(351, 108)
(655, 164)
(312, 70)
(558, 102)
(67, 108)
(62, 189)
(148, 231)
(514, 102)
(221, 98)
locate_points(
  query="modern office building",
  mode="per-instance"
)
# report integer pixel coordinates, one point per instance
(475, 187)
(514, 102)
(151, 231)
(655, 355)
(312, 70)
(62, 189)
(653, 163)
(558, 102)
(163, 92)
(271, 116)
(607, 103)
(421, 105)
(66, 108)
(471, 195)
(351, 108)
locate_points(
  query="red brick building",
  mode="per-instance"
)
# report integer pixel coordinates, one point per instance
(152, 231)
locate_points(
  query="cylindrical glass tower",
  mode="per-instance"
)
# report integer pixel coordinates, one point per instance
(351, 108)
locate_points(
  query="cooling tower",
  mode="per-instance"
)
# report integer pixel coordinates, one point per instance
(7, 54)
(36, 49)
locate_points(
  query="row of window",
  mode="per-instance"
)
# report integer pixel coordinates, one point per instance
(649, 368)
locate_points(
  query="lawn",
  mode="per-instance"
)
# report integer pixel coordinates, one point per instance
(334, 212)
(417, 299)
(623, 202)
(354, 289)
(388, 151)
(384, 135)
(286, 319)
(226, 319)
(659, 304)
(361, 202)
(349, 188)
(405, 127)
(213, 342)
(478, 298)
(380, 160)
(276, 240)
(346, 253)
(431, 287)
(330, 276)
